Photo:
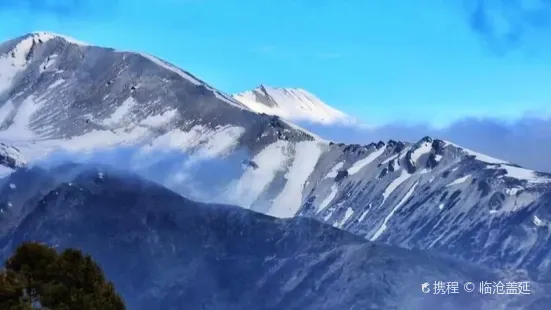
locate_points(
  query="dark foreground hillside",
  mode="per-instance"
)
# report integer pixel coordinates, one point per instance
(163, 251)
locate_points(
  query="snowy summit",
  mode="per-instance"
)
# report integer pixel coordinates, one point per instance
(293, 104)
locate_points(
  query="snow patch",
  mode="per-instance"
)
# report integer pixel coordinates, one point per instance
(159, 120)
(20, 127)
(423, 149)
(207, 142)
(333, 173)
(386, 161)
(289, 200)
(100, 139)
(359, 165)
(394, 184)
(364, 214)
(325, 203)
(387, 218)
(459, 181)
(56, 83)
(91, 141)
(537, 221)
(120, 112)
(523, 174)
(387, 192)
(347, 215)
(253, 182)
(221, 141)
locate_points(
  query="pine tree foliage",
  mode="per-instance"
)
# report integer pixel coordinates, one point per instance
(38, 277)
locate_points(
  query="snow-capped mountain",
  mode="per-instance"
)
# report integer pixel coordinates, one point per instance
(293, 104)
(164, 251)
(141, 113)
(436, 195)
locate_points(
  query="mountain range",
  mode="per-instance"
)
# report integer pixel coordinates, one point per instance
(61, 99)
(166, 252)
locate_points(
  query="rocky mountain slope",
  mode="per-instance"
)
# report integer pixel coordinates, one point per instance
(53, 88)
(436, 195)
(293, 104)
(140, 113)
(166, 252)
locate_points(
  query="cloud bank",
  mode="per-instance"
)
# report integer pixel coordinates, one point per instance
(526, 141)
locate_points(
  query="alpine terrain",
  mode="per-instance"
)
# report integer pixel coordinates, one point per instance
(61, 100)
(166, 252)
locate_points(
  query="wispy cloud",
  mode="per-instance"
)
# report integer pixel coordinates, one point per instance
(504, 24)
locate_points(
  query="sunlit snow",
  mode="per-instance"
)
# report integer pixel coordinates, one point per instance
(360, 164)
(292, 104)
(289, 201)
(383, 226)
(325, 203)
(459, 180)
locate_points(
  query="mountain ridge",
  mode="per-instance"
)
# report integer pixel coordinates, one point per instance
(162, 250)
(142, 116)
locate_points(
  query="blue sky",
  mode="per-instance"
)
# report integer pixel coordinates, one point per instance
(383, 61)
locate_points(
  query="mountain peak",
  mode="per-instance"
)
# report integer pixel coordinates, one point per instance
(268, 90)
(294, 104)
(48, 35)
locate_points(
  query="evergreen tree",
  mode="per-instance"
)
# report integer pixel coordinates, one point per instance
(38, 277)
